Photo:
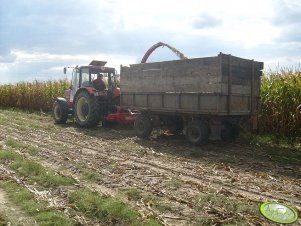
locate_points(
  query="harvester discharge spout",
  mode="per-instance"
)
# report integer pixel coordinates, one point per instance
(173, 49)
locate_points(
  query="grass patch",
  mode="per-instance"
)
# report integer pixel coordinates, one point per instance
(270, 140)
(226, 205)
(15, 144)
(151, 222)
(223, 202)
(8, 155)
(50, 179)
(36, 125)
(27, 168)
(38, 210)
(174, 182)
(277, 148)
(125, 146)
(37, 173)
(134, 194)
(88, 175)
(110, 211)
(32, 150)
(3, 221)
(163, 207)
(60, 148)
(33, 170)
(157, 203)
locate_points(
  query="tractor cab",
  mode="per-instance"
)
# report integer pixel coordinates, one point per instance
(84, 77)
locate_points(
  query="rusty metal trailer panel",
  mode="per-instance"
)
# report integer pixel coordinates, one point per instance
(223, 85)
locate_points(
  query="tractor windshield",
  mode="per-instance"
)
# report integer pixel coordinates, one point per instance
(74, 83)
(89, 76)
(85, 77)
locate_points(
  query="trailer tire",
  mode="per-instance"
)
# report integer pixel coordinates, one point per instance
(143, 126)
(230, 132)
(86, 110)
(60, 112)
(177, 126)
(197, 132)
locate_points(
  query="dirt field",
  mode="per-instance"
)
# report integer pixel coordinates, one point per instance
(164, 177)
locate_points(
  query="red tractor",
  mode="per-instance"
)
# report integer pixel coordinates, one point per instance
(89, 102)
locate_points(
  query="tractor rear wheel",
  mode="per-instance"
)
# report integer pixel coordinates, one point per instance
(197, 132)
(86, 110)
(60, 113)
(143, 126)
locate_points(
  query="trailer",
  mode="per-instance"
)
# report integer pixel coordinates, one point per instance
(208, 97)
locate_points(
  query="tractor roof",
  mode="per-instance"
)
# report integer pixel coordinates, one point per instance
(99, 68)
(98, 63)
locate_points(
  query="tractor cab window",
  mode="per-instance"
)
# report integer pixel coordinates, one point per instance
(74, 83)
(85, 77)
(116, 79)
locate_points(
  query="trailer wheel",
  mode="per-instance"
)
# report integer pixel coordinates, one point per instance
(230, 132)
(143, 126)
(60, 113)
(197, 132)
(177, 126)
(86, 110)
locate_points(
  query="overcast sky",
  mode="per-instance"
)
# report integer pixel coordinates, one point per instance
(38, 38)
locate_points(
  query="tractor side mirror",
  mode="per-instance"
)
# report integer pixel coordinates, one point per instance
(65, 70)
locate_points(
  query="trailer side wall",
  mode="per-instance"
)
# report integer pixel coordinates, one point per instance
(222, 85)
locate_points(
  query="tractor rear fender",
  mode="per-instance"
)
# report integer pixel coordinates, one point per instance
(89, 90)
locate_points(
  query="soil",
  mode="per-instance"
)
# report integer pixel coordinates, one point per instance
(167, 173)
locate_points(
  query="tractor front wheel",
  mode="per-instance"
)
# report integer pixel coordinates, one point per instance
(60, 112)
(86, 110)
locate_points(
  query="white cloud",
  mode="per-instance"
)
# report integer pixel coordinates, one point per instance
(206, 21)
(43, 66)
(39, 37)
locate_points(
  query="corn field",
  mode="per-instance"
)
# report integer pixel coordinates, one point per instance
(32, 95)
(280, 98)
